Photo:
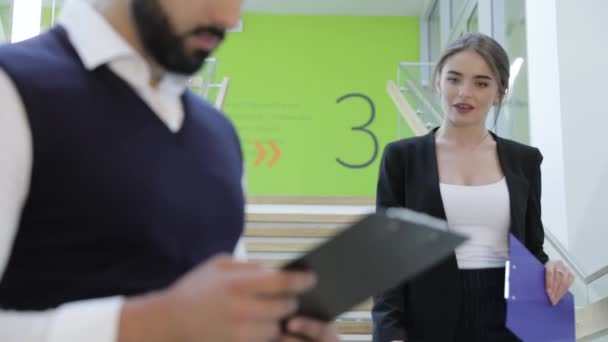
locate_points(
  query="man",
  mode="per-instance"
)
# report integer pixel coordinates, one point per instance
(120, 191)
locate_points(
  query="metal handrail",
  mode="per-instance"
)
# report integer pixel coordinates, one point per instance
(211, 64)
(575, 266)
(596, 275)
(407, 112)
(221, 96)
(417, 64)
(561, 250)
(416, 89)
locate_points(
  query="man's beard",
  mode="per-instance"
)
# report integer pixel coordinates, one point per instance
(167, 47)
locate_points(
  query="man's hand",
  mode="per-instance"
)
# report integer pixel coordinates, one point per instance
(310, 329)
(221, 301)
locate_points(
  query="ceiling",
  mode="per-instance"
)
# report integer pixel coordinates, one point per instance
(338, 7)
(323, 7)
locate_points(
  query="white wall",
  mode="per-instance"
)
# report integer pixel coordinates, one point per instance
(545, 111)
(27, 16)
(568, 78)
(583, 51)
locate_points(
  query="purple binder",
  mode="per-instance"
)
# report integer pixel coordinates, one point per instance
(530, 314)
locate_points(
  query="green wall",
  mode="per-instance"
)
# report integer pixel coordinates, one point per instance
(287, 73)
(5, 18)
(6, 13)
(47, 17)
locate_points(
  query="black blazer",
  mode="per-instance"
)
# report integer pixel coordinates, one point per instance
(426, 309)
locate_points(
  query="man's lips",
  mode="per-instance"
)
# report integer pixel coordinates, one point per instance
(205, 41)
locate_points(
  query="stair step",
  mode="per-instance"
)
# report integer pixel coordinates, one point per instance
(365, 306)
(270, 231)
(283, 247)
(356, 337)
(303, 218)
(274, 239)
(354, 327)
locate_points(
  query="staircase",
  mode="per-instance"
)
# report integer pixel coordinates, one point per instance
(274, 239)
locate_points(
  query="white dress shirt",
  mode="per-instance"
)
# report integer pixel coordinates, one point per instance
(96, 43)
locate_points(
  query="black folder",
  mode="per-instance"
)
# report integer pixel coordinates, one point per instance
(376, 253)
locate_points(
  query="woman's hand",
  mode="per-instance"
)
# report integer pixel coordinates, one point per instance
(558, 280)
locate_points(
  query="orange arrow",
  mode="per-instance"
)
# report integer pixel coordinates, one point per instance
(261, 153)
(276, 156)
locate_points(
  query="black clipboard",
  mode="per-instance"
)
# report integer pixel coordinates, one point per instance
(376, 253)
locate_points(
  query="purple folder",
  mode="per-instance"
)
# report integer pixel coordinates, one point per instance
(530, 314)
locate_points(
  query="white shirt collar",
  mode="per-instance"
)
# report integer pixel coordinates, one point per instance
(97, 44)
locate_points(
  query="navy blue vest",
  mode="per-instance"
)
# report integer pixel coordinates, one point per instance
(118, 204)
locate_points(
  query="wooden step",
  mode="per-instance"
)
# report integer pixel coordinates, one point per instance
(302, 218)
(354, 327)
(281, 247)
(592, 320)
(355, 338)
(267, 234)
(365, 306)
(295, 232)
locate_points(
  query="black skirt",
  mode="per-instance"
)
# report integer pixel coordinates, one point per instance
(483, 311)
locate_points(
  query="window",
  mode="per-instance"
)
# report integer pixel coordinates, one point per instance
(473, 21)
(434, 33)
(6, 15)
(516, 109)
(50, 12)
(456, 7)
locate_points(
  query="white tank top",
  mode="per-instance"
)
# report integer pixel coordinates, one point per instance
(483, 214)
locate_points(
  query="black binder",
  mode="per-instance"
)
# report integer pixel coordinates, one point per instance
(376, 253)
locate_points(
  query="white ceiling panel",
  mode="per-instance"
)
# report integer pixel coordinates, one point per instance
(338, 7)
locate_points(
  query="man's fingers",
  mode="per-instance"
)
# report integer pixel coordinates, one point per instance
(259, 332)
(264, 309)
(228, 263)
(291, 338)
(306, 327)
(312, 330)
(272, 283)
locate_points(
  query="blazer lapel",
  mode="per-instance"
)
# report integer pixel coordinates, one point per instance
(518, 188)
(434, 193)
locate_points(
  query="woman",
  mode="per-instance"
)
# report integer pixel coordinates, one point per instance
(485, 186)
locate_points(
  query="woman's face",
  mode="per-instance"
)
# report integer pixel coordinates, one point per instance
(468, 89)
